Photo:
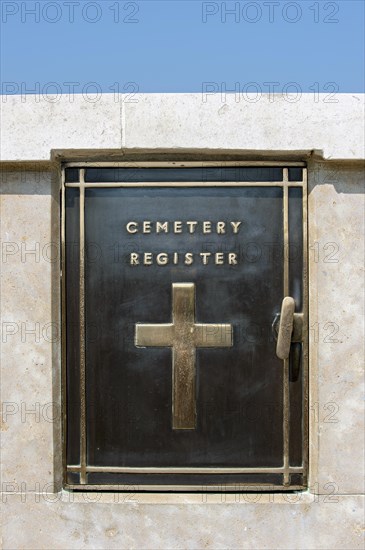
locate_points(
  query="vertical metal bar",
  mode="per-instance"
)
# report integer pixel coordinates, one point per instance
(305, 358)
(83, 474)
(63, 328)
(286, 402)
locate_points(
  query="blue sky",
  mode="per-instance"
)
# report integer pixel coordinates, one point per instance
(176, 46)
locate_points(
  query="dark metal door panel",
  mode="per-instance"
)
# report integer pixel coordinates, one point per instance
(125, 418)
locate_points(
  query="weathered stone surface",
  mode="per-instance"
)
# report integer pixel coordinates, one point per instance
(33, 126)
(269, 123)
(272, 124)
(95, 522)
(336, 260)
(30, 362)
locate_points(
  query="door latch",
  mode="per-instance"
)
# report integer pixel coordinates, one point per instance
(287, 327)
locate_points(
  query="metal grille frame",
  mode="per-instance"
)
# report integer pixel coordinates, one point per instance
(83, 468)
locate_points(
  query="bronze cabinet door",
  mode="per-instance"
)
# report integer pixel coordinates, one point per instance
(174, 281)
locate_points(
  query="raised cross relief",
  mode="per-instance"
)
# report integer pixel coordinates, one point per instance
(183, 335)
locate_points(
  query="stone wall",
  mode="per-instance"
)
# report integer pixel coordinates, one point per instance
(37, 513)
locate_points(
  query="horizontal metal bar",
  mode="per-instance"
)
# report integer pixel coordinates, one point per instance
(213, 488)
(182, 470)
(178, 164)
(186, 184)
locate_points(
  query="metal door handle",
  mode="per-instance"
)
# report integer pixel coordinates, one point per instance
(285, 329)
